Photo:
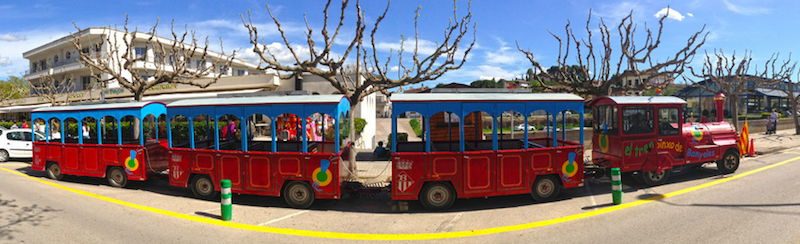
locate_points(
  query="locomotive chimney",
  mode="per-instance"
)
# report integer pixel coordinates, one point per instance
(719, 101)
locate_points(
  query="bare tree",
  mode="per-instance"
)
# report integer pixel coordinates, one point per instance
(53, 89)
(171, 62)
(733, 77)
(596, 70)
(372, 72)
(787, 72)
(13, 88)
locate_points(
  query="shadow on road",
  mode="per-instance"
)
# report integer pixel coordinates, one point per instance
(12, 215)
(381, 202)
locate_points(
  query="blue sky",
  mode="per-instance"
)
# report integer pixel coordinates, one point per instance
(763, 27)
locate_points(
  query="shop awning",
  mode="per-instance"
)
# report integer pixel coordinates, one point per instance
(22, 108)
(771, 92)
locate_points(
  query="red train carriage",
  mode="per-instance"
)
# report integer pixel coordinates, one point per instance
(648, 136)
(463, 154)
(118, 141)
(236, 139)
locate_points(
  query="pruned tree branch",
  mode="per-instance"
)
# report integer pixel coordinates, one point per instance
(171, 60)
(595, 73)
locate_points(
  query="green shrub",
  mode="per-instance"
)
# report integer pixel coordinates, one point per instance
(400, 137)
(416, 126)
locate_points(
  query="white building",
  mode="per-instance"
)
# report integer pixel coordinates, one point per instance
(59, 59)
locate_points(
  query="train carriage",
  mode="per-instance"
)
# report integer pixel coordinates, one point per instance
(456, 158)
(117, 141)
(286, 146)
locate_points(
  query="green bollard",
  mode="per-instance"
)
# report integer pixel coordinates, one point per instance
(226, 199)
(616, 185)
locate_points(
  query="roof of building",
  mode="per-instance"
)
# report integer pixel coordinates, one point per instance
(102, 106)
(483, 97)
(642, 99)
(301, 99)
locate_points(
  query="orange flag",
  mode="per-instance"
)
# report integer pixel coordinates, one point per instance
(745, 137)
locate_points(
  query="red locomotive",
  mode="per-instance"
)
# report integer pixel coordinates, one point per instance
(648, 138)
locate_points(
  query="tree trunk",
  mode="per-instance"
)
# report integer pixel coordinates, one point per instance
(793, 100)
(734, 100)
(352, 136)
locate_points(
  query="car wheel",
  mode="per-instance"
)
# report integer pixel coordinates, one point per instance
(298, 194)
(545, 188)
(729, 162)
(117, 177)
(54, 171)
(3, 155)
(651, 178)
(203, 188)
(437, 196)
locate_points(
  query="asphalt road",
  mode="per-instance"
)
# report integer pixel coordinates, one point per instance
(763, 207)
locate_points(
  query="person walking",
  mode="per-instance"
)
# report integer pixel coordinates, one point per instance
(773, 120)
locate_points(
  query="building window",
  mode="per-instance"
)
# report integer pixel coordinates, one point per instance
(86, 82)
(144, 77)
(42, 64)
(159, 58)
(67, 56)
(55, 59)
(140, 52)
(223, 69)
(201, 64)
(240, 72)
(85, 50)
(33, 67)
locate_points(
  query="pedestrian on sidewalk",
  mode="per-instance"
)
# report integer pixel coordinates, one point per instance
(772, 125)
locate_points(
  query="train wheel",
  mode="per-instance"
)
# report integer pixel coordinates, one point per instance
(116, 177)
(298, 194)
(54, 171)
(3, 155)
(729, 162)
(545, 188)
(437, 196)
(651, 178)
(203, 188)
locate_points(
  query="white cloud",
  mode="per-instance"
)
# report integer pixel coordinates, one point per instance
(5, 61)
(671, 13)
(481, 72)
(11, 71)
(394, 68)
(12, 37)
(503, 55)
(746, 10)
(615, 12)
(690, 14)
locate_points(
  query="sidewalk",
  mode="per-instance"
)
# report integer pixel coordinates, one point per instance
(782, 139)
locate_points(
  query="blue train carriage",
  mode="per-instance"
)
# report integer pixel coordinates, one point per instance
(286, 146)
(468, 145)
(117, 141)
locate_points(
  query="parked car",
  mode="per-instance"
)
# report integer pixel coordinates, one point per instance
(548, 128)
(17, 143)
(521, 127)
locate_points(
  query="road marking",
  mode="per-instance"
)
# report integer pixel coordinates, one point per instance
(14, 164)
(420, 236)
(452, 222)
(282, 218)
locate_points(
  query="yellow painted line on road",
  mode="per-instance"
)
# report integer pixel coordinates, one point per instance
(421, 236)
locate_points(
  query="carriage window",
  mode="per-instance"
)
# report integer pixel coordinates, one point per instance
(605, 116)
(637, 119)
(668, 121)
(130, 130)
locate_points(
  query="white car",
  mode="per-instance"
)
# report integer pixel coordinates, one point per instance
(521, 127)
(17, 143)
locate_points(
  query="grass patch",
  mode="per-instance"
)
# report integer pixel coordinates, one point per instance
(416, 126)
